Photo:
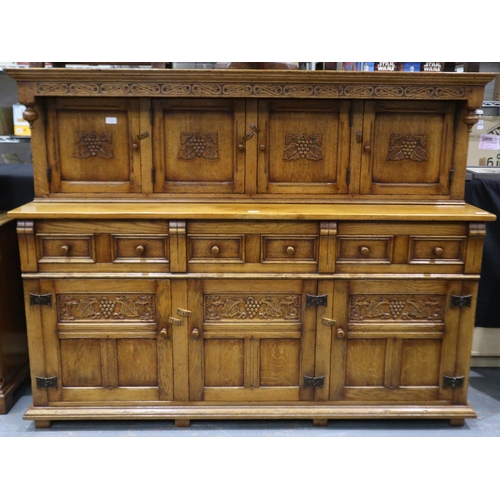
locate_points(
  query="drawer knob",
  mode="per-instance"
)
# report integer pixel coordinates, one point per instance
(438, 251)
(139, 249)
(290, 250)
(262, 147)
(195, 333)
(340, 333)
(241, 147)
(364, 250)
(367, 149)
(164, 333)
(135, 146)
(65, 249)
(215, 250)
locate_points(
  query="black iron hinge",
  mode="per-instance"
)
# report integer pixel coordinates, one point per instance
(40, 300)
(316, 300)
(453, 381)
(314, 381)
(461, 300)
(42, 382)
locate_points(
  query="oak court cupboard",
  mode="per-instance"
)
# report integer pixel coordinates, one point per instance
(228, 244)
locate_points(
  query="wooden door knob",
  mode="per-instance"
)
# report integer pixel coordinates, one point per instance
(135, 146)
(139, 249)
(364, 250)
(215, 250)
(340, 333)
(164, 333)
(241, 147)
(438, 251)
(65, 249)
(367, 149)
(262, 147)
(290, 250)
(195, 333)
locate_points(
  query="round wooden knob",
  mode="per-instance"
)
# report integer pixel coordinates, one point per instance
(290, 250)
(215, 250)
(367, 148)
(139, 249)
(438, 251)
(164, 333)
(364, 250)
(241, 147)
(65, 249)
(195, 333)
(262, 147)
(135, 146)
(340, 333)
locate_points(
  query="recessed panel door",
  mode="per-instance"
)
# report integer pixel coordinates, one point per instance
(198, 146)
(407, 148)
(251, 340)
(303, 147)
(93, 145)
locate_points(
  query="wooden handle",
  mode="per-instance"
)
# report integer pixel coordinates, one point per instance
(65, 249)
(262, 147)
(139, 249)
(290, 250)
(364, 250)
(241, 147)
(367, 149)
(135, 146)
(438, 251)
(164, 333)
(215, 250)
(340, 333)
(195, 333)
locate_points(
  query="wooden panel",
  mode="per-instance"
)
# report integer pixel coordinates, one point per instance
(364, 249)
(140, 248)
(137, 362)
(53, 248)
(417, 354)
(407, 148)
(437, 249)
(289, 249)
(365, 362)
(303, 147)
(81, 364)
(196, 145)
(219, 249)
(279, 362)
(94, 146)
(224, 365)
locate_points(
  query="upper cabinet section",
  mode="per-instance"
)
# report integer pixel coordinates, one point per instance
(255, 135)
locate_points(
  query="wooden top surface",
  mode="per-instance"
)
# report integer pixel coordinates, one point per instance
(260, 211)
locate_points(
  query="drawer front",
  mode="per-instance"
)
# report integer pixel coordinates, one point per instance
(365, 249)
(439, 250)
(256, 246)
(66, 248)
(131, 248)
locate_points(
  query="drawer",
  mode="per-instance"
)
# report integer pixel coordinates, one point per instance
(365, 249)
(133, 248)
(65, 248)
(255, 246)
(429, 249)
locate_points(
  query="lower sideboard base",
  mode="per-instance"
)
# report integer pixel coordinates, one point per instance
(182, 415)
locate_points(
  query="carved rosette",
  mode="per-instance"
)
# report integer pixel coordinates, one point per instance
(93, 144)
(303, 147)
(375, 307)
(198, 145)
(407, 147)
(256, 307)
(106, 307)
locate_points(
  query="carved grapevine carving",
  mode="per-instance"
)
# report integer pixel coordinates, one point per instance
(106, 307)
(197, 145)
(397, 308)
(407, 147)
(300, 147)
(252, 307)
(92, 144)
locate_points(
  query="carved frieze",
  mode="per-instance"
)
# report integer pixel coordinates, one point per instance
(93, 144)
(322, 90)
(106, 307)
(377, 307)
(407, 147)
(256, 307)
(303, 147)
(198, 145)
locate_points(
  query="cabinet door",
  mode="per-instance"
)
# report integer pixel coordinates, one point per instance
(196, 146)
(250, 340)
(108, 344)
(407, 148)
(93, 145)
(395, 341)
(303, 147)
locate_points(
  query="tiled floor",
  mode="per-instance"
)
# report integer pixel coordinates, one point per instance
(484, 397)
